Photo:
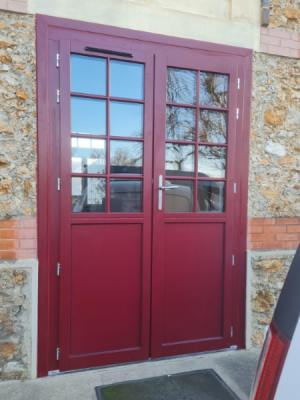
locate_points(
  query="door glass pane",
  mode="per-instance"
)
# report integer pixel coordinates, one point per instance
(180, 199)
(211, 196)
(126, 157)
(211, 161)
(88, 156)
(88, 194)
(213, 90)
(88, 116)
(181, 86)
(126, 195)
(180, 123)
(126, 119)
(180, 160)
(213, 126)
(126, 80)
(88, 75)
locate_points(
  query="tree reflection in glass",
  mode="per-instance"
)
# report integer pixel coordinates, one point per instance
(213, 90)
(180, 160)
(126, 157)
(213, 126)
(180, 123)
(211, 161)
(181, 86)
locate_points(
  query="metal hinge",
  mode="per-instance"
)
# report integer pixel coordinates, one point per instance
(57, 60)
(57, 353)
(57, 95)
(58, 183)
(58, 269)
(234, 188)
(238, 83)
(231, 332)
(237, 113)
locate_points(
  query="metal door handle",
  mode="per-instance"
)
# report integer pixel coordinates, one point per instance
(161, 188)
(168, 187)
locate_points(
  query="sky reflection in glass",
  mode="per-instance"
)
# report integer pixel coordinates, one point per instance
(88, 75)
(126, 80)
(88, 116)
(126, 119)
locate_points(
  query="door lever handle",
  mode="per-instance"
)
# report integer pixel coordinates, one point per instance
(168, 187)
(161, 188)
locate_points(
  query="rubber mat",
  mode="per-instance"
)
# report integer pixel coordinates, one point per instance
(196, 385)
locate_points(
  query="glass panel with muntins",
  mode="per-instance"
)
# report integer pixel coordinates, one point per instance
(180, 123)
(126, 119)
(88, 116)
(88, 156)
(211, 161)
(213, 126)
(88, 194)
(126, 195)
(213, 90)
(180, 160)
(126, 157)
(126, 80)
(211, 196)
(180, 199)
(88, 75)
(181, 86)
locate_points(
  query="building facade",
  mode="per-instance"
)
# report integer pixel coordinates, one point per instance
(92, 281)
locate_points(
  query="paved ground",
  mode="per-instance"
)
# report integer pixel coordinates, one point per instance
(236, 368)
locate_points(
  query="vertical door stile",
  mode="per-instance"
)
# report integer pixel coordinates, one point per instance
(229, 271)
(158, 217)
(65, 196)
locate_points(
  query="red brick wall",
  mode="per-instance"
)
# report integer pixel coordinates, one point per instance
(18, 239)
(280, 43)
(273, 233)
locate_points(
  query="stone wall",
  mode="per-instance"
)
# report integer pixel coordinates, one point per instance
(17, 115)
(274, 176)
(285, 14)
(17, 319)
(268, 273)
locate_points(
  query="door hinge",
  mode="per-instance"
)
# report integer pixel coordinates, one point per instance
(231, 332)
(234, 188)
(57, 353)
(58, 96)
(58, 183)
(58, 269)
(57, 60)
(232, 260)
(237, 113)
(238, 83)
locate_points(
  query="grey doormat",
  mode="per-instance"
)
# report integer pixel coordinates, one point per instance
(197, 385)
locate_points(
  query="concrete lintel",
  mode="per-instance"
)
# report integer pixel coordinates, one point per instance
(271, 253)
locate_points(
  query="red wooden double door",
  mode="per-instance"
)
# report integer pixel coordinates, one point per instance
(149, 163)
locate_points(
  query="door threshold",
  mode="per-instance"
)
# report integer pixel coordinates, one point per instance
(57, 372)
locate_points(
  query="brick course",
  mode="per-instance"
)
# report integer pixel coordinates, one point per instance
(18, 239)
(279, 43)
(273, 233)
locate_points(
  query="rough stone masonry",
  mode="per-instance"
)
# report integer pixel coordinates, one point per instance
(17, 115)
(17, 187)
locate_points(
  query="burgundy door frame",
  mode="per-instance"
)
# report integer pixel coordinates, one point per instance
(49, 31)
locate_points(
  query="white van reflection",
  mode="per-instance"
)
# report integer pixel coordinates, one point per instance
(89, 195)
(210, 196)
(125, 196)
